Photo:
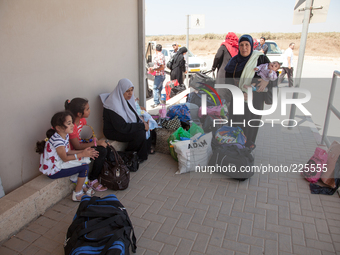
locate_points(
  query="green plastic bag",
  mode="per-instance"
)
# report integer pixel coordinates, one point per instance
(180, 132)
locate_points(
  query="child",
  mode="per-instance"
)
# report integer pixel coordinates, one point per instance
(268, 71)
(80, 108)
(55, 153)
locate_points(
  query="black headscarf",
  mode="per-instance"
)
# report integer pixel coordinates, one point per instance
(238, 59)
(178, 57)
(182, 50)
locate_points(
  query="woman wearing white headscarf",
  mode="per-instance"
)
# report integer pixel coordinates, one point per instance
(121, 121)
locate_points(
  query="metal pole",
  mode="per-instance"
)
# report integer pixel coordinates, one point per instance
(304, 34)
(187, 58)
(329, 107)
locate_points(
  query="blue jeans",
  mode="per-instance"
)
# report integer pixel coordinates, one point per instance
(157, 87)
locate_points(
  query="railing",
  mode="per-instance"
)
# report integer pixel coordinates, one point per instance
(330, 108)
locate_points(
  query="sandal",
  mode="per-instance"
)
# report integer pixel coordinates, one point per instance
(76, 196)
(152, 151)
(88, 190)
(99, 187)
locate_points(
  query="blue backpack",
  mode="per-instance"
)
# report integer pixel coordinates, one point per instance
(100, 226)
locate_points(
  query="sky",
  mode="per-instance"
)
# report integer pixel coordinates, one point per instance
(239, 16)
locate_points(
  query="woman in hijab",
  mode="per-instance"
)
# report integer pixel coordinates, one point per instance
(178, 66)
(240, 72)
(121, 121)
(227, 50)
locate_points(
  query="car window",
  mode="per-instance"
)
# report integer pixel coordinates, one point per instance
(273, 48)
(165, 53)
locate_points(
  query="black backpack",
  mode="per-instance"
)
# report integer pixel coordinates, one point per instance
(100, 226)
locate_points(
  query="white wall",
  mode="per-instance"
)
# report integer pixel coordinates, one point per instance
(51, 51)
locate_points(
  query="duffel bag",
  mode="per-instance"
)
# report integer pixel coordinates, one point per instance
(196, 98)
(232, 161)
(100, 226)
(199, 79)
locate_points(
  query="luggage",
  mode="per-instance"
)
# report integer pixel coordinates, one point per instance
(198, 79)
(162, 136)
(115, 174)
(181, 111)
(196, 98)
(232, 161)
(193, 153)
(327, 176)
(130, 159)
(230, 135)
(100, 226)
(168, 88)
(315, 166)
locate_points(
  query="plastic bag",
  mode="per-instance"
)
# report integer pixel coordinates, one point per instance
(181, 134)
(230, 135)
(180, 110)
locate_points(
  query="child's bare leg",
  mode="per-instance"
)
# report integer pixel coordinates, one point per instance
(80, 183)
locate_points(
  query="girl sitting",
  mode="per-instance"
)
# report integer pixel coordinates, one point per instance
(57, 161)
(80, 108)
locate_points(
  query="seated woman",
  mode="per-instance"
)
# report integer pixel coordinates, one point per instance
(122, 123)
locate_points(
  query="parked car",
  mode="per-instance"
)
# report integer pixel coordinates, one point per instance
(274, 53)
(196, 64)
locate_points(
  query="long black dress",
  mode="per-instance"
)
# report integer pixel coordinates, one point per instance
(178, 67)
(115, 128)
(258, 103)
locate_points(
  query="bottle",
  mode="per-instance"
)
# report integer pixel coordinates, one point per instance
(163, 96)
(255, 88)
(163, 101)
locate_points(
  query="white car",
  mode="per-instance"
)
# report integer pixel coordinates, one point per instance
(195, 63)
(274, 53)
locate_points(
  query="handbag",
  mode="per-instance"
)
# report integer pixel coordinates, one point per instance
(115, 174)
(130, 159)
(174, 123)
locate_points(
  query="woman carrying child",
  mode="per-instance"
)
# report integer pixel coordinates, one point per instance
(80, 108)
(55, 154)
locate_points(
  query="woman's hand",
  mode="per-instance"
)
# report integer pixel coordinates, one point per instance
(263, 84)
(146, 125)
(142, 108)
(101, 143)
(90, 152)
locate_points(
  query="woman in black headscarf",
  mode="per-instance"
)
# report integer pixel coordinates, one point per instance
(240, 72)
(178, 66)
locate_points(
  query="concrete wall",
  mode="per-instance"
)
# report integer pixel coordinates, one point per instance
(51, 51)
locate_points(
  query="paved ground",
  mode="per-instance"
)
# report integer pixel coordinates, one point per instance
(199, 214)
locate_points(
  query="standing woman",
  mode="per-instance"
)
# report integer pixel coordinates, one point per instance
(122, 123)
(227, 50)
(241, 68)
(178, 66)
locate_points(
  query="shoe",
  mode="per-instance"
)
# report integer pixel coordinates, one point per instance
(140, 161)
(155, 105)
(152, 151)
(88, 190)
(76, 196)
(99, 187)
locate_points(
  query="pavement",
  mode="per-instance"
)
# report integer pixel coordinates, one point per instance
(270, 213)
